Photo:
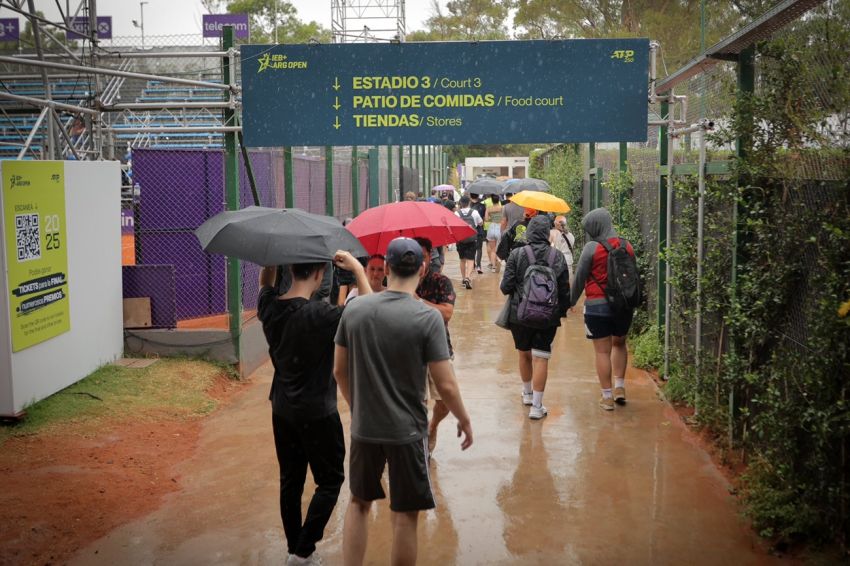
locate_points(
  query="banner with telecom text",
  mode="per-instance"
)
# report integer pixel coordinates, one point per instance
(489, 92)
(36, 252)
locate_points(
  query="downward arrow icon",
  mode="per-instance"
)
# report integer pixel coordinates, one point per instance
(336, 123)
(336, 83)
(336, 104)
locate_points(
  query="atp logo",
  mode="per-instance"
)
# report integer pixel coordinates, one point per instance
(624, 55)
(278, 62)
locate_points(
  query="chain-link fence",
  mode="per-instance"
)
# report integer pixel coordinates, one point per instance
(177, 190)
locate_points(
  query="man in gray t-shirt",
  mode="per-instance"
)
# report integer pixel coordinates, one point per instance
(384, 344)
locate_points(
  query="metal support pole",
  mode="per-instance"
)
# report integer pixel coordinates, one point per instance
(33, 131)
(374, 171)
(52, 149)
(660, 296)
(668, 288)
(288, 178)
(592, 180)
(624, 167)
(231, 193)
(329, 180)
(389, 173)
(355, 181)
(401, 187)
(101, 71)
(700, 244)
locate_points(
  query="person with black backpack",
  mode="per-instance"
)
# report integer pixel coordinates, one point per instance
(466, 247)
(537, 280)
(607, 274)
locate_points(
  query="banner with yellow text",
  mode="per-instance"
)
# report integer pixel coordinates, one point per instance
(36, 252)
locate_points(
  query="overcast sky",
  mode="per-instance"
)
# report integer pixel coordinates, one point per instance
(175, 17)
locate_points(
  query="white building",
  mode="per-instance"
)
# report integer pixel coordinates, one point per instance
(508, 167)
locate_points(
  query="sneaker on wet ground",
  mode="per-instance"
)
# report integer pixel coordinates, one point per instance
(537, 413)
(606, 403)
(312, 560)
(620, 395)
(479, 270)
(467, 283)
(527, 399)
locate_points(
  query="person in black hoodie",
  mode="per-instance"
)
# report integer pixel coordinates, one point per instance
(535, 344)
(305, 420)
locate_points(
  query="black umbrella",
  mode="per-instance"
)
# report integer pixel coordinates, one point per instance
(276, 236)
(484, 186)
(514, 186)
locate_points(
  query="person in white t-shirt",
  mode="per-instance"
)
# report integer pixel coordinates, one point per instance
(563, 240)
(466, 248)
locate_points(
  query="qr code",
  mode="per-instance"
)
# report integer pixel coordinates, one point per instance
(27, 237)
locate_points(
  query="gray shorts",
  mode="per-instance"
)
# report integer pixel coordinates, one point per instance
(410, 480)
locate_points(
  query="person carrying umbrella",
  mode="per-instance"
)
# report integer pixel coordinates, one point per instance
(305, 420)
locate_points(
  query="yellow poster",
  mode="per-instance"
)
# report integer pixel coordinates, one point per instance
(36, 252)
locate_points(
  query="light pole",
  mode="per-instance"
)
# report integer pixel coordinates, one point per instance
(141, 23)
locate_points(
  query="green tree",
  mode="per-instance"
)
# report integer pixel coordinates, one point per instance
(674, 23)
(465, 20)
(270, 16)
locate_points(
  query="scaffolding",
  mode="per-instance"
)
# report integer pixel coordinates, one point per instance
(367, 21)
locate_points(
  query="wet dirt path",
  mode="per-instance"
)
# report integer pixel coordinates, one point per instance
(582, 486)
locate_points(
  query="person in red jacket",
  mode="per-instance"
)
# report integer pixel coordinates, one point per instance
(607, 329)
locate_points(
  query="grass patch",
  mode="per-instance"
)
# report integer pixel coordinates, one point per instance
(170, 388)
(648, 350)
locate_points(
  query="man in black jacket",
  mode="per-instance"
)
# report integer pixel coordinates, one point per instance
(305, 420)
(535, 343)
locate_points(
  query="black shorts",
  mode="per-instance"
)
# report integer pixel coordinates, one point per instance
(596, 326)
(410, 480)
(538, 340)
(467, 251)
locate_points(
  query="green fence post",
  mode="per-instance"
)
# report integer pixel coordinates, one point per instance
(746, 86)
(288, 178)
(389, 173)
(428, 182)
(355, 182)
(329, 180)
(401, 187)
(624, 157)
(374, 171)
(592, 180)
(231, 198)
(661, 274)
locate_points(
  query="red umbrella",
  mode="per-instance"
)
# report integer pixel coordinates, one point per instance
(377, 226)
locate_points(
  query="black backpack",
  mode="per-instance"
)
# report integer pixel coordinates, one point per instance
(468, 218)
(623, 289)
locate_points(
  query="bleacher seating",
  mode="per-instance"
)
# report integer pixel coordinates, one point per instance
(19, 118)
(157, 91)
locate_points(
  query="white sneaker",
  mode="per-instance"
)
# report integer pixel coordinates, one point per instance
(312, 560)
(527, 399)
(537, 413)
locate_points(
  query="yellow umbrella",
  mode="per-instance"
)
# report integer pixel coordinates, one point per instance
(544, 202)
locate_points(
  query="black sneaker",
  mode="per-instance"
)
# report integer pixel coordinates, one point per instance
(479, 270)
(467, 284)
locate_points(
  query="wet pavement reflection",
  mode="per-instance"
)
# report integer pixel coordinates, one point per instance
(582, 486)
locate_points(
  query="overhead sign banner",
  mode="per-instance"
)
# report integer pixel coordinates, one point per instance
(10, 29)
(36, 250)
(80, 24)
(487, 92)
(214, 24)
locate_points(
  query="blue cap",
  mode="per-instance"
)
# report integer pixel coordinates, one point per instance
(404, 251)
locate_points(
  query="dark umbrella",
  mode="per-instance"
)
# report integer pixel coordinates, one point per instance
(276, 236)
(514, 186)
(484, 186)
